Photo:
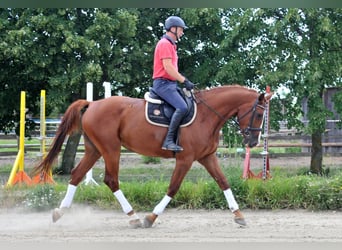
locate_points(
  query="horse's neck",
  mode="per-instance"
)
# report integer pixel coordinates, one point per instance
(225, 101)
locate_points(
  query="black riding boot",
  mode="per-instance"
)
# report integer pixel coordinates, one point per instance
(169, 143)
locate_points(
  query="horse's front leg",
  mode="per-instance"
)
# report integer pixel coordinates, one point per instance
(134, 220)
(176, 180)
(111, 179)
(212, 166)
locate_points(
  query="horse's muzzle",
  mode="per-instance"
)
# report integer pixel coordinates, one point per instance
(250, 141)
(252, 144)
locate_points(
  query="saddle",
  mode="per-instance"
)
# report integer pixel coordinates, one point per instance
(159, 112)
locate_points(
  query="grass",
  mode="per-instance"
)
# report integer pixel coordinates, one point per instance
(145, 186)
(258, 150)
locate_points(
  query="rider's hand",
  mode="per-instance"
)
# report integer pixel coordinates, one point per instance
(188, 85)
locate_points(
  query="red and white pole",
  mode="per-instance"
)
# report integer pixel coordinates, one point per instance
(265, 173)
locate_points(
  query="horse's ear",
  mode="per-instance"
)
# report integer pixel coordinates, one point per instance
(265, 96)
(262, 97)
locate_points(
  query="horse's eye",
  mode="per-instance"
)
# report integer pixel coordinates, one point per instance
(259, 116)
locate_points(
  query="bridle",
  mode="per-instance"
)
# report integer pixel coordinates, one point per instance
(247, 131)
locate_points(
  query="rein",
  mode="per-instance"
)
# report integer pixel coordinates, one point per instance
(211, 109)
(236, 121)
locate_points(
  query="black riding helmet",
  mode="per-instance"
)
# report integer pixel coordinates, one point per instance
(174, 21)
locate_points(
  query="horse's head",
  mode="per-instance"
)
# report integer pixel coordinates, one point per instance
(250, 119)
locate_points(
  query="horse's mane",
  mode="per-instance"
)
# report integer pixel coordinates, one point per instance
(220, 88)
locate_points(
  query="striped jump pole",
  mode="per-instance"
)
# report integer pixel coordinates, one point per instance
(265, 173)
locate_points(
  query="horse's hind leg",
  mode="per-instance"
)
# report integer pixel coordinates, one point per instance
(212, 165)
(90, 157)
(182, 167)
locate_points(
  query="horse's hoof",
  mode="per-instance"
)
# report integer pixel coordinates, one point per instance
(239, 219)
(149, 220)
(135, 223)
(57, 213)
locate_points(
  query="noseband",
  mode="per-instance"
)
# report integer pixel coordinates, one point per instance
(247, 131)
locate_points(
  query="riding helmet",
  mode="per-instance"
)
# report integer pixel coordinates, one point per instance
(174, 21)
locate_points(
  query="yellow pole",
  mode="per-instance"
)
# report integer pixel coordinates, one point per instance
(39, 178)
(22, 130)
(14, 169)
(42, 124)
(19, 161)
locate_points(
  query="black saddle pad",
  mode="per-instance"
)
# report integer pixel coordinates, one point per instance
(160, 114)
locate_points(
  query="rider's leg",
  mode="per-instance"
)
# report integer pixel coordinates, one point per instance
(168, 91)
(169, 142)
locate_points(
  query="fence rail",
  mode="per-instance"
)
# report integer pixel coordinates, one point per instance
(36, 148)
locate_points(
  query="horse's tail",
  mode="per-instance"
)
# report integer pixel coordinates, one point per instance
(71, 122)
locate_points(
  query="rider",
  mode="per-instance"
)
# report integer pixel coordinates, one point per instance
(166, 75)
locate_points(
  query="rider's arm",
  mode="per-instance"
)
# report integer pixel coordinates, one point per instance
(172, 71)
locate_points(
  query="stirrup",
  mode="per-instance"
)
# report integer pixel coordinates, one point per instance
(172, 147)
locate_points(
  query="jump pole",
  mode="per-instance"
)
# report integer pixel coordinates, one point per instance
(89, 176)
(43, 178)
(106, 86)
(42, 137)
(18, 175)
(266, 158)
(265, 173)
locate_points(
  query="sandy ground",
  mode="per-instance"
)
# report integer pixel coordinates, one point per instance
(86, 224)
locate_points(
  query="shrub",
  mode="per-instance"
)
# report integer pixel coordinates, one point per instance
(148, 159)
(42, 197)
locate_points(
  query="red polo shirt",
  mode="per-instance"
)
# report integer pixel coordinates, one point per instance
(164, 49)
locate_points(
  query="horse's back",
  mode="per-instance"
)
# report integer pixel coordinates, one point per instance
(115, 109)
(114, 105)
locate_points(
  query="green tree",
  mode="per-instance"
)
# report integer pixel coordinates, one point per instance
(60, 50)
(296, 48)
(17, 69)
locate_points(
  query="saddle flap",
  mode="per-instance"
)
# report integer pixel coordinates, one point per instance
(158, 112)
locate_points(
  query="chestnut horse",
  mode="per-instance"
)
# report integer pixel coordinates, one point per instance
(111, 123)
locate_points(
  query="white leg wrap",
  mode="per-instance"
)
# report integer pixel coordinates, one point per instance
(134, 216)
(159, 209)
(126, 207)
(233, 206)
(69, 196)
